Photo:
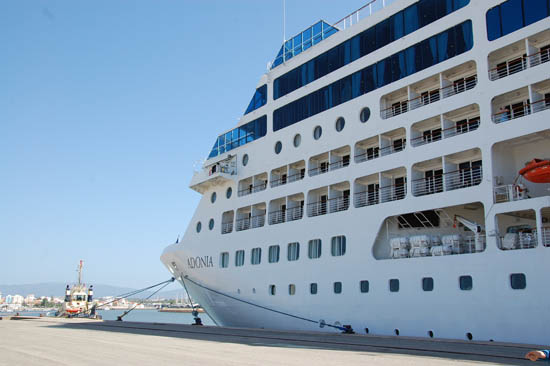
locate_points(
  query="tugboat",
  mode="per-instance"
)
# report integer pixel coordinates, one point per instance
(78, 299)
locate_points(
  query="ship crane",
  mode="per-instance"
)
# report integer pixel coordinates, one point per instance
(475, 228)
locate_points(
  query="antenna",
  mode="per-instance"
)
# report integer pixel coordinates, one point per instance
(284, 21)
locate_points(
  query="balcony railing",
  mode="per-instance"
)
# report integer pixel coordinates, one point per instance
(508, 192)
(462, 178)
(518, 64)
(290, 214)
(342, 163)
(250, 222)
(523, 240)
(227, 227)
(289, 179)
(253, 189)
(338, 204)
(317, 208)
(359, 158)
(391, 149)
(521, 111)
(393, 192)
(430, 97)
(545, 232)
(319, 170)
(429, 185)
(294, 213)
(277, 217)
(365, 198)
(446, 133)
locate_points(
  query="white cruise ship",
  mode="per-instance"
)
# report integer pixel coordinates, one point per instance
(374, 180)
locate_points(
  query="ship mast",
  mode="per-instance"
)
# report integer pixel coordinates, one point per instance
(80, 273)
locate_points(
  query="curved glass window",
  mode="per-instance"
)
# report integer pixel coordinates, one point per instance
(228, 192)
(245, 159)
(365, 114)
(380, 35)
(340, 123)
(278, 147)
(213, 197)
(438, 48)
(297, 140)
(211, 224)
(512, 15)
(199, 227)
(258, 100)
(239, 136)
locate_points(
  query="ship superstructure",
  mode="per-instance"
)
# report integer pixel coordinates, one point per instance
(374, 180)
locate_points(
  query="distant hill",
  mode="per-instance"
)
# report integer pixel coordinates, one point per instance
(57, 289)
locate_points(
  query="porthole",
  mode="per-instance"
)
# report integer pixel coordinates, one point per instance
(245, 159)
(272, 289)
(365, 114)
(317, 132)
(213, 197)
(396, 331)
(278, 147)
(337, 287)
(518, 281)
(211, 224)
(199, 227)
(366, 330)
(340, 123)
(228, 192)
(430, 333)
(469, 336)
(297, 140)
(253, 290)
(291, 289)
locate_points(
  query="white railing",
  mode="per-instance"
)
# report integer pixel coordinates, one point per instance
(430, 97)
(294, 213)
(227, 227)
(361, 13)
(393, 193)
(359, 158)
(508, 192)
(250, 222)
(471, 125)
(277, 217)
(390, 149)
(425, 186)
(253, 189)
(339, 164)
(289, 179)
(242, 224)
(365, 198)
(319, 170)
(337, 204)
(317, 208)
(518, 64)
(545, 233)
(521, 111)
(462, 178)
(539, 57)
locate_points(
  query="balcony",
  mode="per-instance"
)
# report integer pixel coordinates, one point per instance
(520, 110)
(517, 64)
(393, 192)
(214, 175)
(250, 222)
(462, 178)
(252, 189)
(508, 193)
(425, 186)
(431, 96)
(365, 198)
(287, 215)
(338, 204)
(545, 233)
(317, 208)
(288, 179)
(227, 227)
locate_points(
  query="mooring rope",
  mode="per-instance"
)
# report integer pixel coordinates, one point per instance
(320, 322)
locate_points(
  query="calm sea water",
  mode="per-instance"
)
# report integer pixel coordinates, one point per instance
(149, 316)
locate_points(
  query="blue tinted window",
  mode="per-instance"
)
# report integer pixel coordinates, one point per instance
(317, 33)
(258, 100)
(382, 33)
(411, 19)
(396, 26)
(239, 136)
(511, 13)
(355, 48)
(535, 10)
(458, 39)
(427, 11)
(493, 23)
(460, 3)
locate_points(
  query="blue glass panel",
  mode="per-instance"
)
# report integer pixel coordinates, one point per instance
(310, 71)
(493, 23)
(399, 70)
(328, 30)
(411, 19)
(427, 11)
(347, 53)
(511, 16)
(307, 38)
(463, 37)
(288, 50)
(317, 32)
(355, 48)
(297, 41)
(382, 33)
(535, 10)
(356, 84)
(410, 57)
(345, 89)
(384, 72)
(397, 26)
(368, 77)
(442, 46)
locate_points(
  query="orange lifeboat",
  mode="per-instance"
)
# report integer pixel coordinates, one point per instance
(537, 171)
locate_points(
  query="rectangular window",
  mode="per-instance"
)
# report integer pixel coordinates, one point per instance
(518, 281)
(382, 33)
(466, 283)
(224, 260)
(535, 10)
(411, 19)
(364, 286)
(313, 288)
(314, 249)
(338, 246)
(273, 254)
(427, 284)
(394, 285)
(293, 253)
(492, 18)
(239, 258)
(337, 287)
(511, 13)
(256, 256)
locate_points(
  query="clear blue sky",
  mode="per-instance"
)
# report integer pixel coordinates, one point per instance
(104, 107)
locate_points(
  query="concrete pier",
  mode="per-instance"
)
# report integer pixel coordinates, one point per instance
(51, 341)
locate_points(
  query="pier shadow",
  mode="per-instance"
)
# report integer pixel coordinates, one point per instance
(487, 352)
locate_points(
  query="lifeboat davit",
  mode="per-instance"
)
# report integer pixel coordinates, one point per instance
(537, 171)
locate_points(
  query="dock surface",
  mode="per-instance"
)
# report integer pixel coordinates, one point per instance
(52, 341)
